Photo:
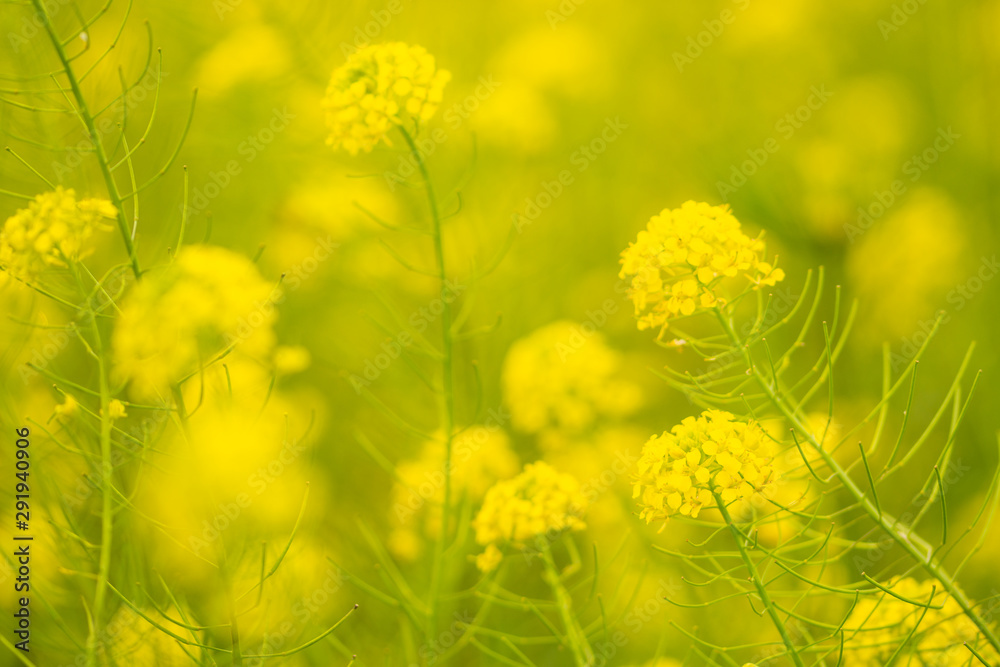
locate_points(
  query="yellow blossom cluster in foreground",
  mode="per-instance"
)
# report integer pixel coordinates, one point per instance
(376, 89)
(679, 471)
(676, 263)
(887, 621)
(54, 230)
(177, 320)
(539, 501)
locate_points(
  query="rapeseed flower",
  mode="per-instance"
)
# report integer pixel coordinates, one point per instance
(561, 379)
(208, 299)
(680, 471)
(54, 230)
(676, 264)
(378, 88)
(539, 501)
(887, 621)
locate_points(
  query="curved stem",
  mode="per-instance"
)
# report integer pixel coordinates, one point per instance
(912, 543)
(95, 138)
(448, 399)
(758, 584)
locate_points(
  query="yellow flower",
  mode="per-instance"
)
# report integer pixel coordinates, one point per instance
(116, 409)
(885, 622)
(489, 559)
(378, 88)
(68, 407)
(676, 264)
(539, 501)
(679, 471)
(563, 377)
(207, 300)
(54, 230)
(291, 359)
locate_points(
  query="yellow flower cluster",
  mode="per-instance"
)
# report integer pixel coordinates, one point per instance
(174, 321)
(939, 636)
(677, 262)
(539, 501)
(480, 456)
(52, 231)
(714, 453)
(376, 89)
(563, 377)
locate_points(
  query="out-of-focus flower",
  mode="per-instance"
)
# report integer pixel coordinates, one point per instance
(253, 53)
(679, 471)
(290, 359)
(480, 457)
(489, 559)
(539, 501)
(516, 118)
(377, 89)
(68, 407)
(172, 322)
(571, 61)
(880, 625)
(905, 264)
(55, 229)
(116, 409)
(676, 264)
(563, 378)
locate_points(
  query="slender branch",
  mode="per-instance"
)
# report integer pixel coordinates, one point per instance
(448, 397)
(912, 543)
(88, 121)
(758, 584)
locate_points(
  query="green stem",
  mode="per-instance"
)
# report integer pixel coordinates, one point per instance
(583, 655)
(88, 121)
(758, 584)
(913, 544)
(107, 526)
(447, 408)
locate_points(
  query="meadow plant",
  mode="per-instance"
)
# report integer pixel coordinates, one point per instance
(188, 535)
